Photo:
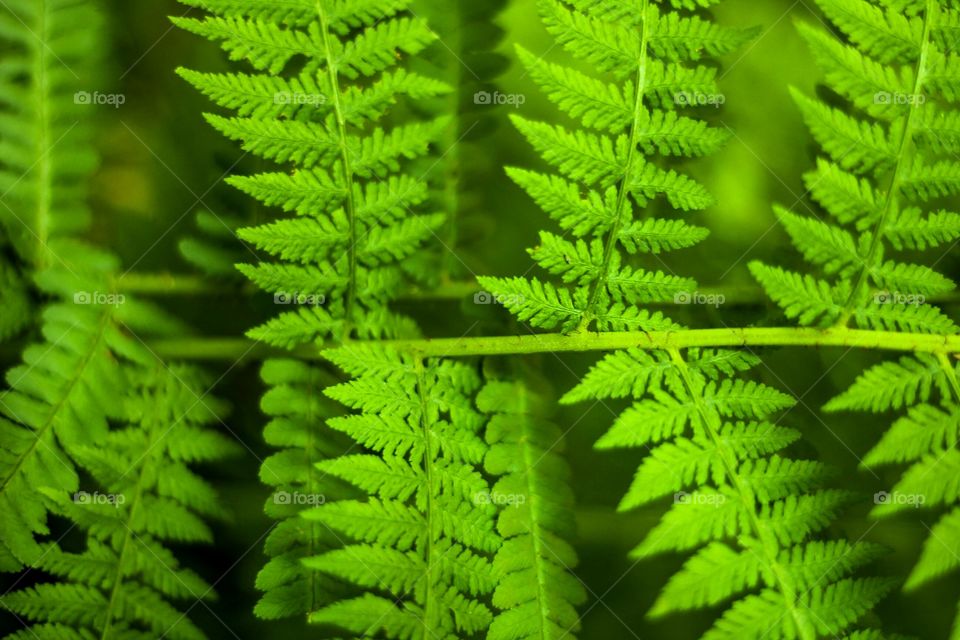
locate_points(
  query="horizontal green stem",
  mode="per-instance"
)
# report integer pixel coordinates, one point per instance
(239, 349)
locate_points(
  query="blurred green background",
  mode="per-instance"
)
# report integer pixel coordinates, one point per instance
(162, 164)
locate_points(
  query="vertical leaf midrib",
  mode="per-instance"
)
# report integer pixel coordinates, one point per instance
(60, 404)
(784, 583)
(333, 76)
(589, 314)
(529, 463)
(905, 153)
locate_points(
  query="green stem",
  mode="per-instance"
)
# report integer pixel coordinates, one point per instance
(531, 458)
(124, 549)
(904, 160)
(623, 192)
(351, 207)
(767, 547)
(239, 349)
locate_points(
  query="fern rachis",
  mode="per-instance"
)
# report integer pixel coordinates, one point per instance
(347, 171)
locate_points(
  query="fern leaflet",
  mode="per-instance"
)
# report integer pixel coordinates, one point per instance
(345, 254)
(881, 169)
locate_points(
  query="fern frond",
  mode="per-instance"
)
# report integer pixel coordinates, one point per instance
(123, 582)
(894, 385)
(320, 108)
(62, 395)
(881, 172)
(296, 429)
(607, 169)
(747, 509)
(421, 540)
(928, 388)
(46, 193)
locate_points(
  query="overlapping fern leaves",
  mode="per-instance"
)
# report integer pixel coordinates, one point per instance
(417, 546)
(750, 513)
(536, 591)
(47, 80)
(122, 583)
(890, 152)
(605, 169)
(62, 395)
(326, 80)
(86, 370)
(890, 161)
